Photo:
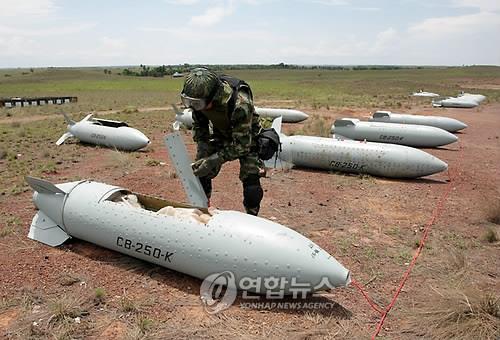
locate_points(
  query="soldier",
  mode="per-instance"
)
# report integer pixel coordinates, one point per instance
(227, 104)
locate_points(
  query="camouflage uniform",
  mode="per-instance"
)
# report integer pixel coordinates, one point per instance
(232, 135)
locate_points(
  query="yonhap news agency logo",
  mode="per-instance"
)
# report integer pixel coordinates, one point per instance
(219, 290)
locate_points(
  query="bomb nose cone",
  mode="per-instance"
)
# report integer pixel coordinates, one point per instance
(302, 115)
(339, 277)
(461, 125)
(140, 140)
(145, 140)
(444, 138)
(326, 268)
(438, 165)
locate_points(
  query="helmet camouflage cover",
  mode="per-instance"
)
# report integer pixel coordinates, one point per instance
(201, 83)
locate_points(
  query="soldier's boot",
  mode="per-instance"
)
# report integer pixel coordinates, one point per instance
(252, 194)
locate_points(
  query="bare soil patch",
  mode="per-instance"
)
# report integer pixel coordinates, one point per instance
(371, 225)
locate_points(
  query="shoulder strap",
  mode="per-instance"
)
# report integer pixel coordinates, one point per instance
(237, 85)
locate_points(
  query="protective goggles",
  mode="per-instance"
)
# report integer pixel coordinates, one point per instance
(196, 104)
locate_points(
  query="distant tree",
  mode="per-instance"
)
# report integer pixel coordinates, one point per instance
(163, 70)
(127, 72)
(32, 70)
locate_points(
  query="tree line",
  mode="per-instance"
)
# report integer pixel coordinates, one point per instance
(169, 70)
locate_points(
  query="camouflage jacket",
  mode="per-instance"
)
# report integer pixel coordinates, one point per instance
(233, 133)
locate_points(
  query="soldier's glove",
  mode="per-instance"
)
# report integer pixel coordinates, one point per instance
(208, 166)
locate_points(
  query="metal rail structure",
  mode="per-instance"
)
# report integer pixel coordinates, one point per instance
(36, 101)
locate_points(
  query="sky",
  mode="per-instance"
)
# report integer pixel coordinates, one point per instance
(41, 33)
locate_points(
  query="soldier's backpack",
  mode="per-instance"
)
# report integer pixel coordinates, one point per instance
(268, 143)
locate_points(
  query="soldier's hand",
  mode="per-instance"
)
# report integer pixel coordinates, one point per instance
(207, 166)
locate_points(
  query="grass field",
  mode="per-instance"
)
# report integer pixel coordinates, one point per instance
(372, 225)
(305, 88)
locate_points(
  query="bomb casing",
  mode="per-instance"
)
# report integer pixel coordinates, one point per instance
(409, 135)
(456, 102)
(288, 115)
(379, 159)
(424, 94)
(185, 117)
(248, 246)
(478, 98)
(445, 123)
(109, 133)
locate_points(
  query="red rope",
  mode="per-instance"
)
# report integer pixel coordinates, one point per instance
(436, 213)
(370, 301)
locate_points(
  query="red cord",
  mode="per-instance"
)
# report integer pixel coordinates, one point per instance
(370, 301)
(436, 213)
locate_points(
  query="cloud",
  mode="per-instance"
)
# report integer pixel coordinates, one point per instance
(183, 2)
(385, 41)
(108, 43)
(36, 42)
(454, 40)
(52, 36)
(25, 8)
(482, 5)
(106, 48)
(193, 35)
(46, 32)
(17, 46)
(443, 27)
(37, 52)
(367, 9)
(211, 16)
(345, 3)
(252, 2)
(332, 2)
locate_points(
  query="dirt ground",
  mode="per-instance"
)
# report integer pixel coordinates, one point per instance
(371, 225)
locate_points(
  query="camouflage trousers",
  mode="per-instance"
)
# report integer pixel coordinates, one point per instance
(250, 164)
(249, 176)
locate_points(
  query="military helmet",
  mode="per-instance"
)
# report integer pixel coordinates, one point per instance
(199, 88)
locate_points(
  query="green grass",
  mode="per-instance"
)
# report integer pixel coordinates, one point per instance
(144, 324)
(314, 126)
(455, 314)
(128, 305)
(490, 236)
(64, 308)
(9, 225)
(152, 162)
(28, 147)
(313, 88)
(370, 88)
(99, 295)
(33, 152)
